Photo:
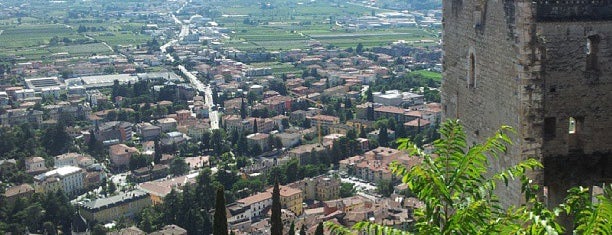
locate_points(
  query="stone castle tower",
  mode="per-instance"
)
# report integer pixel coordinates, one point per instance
(543, 67)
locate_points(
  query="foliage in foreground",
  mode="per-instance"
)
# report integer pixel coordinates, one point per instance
(459, 199)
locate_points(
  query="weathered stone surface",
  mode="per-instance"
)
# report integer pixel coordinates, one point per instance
(573, 10)
(536, 66)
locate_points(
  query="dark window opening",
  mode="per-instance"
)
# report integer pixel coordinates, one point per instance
(456, 6)
(553, 89)
(550, 127)
(472, 72)
(592, 50)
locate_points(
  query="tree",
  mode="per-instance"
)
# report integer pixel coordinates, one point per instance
(206, 140)
(55, 139)
(138, 161)
(242, 144)
(216, 141)
(95, 147)
(111, 187)
(178, 167)
(303, 230)
(384, 187)
(148, 220)
(290, 170)
(115, 90)
(50, 228)
(158, 152)
(369, 96)
(292, 229)
(220, 217)
(255, 150)
(98, 229)
(362, 132)
(383, 136)
(204, 188)
(276, 220)
(347, 190)
(459, 197)
(255, 126)
(359, 48)
(400, 131)
(319, 230)
(243, 111)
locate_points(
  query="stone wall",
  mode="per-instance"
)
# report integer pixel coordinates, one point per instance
(577, 72)
(506, 65)
(573, 10)
(481, 31)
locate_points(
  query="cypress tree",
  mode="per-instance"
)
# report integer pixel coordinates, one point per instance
(303, 230)
(242, 109)
(319, 230)
(220, 217)
(383, 136)
(158, 152)
(275, 220)
(362, 132)
(292, 228)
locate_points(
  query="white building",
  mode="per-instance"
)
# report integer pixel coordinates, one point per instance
(390, 98)
(67, 159)
(24, 94)
(254, 206)
(397, 98)
(51, 91)
(71, 178)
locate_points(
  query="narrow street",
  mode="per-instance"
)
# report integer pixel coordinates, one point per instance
(199, 85)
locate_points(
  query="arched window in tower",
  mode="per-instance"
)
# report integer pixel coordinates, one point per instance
(589, 46)
(591, 50)
(472, 71)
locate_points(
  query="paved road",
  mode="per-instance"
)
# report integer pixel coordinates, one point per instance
(199, 85)
(213, 115)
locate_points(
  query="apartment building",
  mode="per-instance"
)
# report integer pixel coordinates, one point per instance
(69, 179)
(124, 204)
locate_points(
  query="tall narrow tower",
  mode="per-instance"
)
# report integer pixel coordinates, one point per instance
(543, 67)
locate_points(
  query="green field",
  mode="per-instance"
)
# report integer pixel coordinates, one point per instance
(83, 49)
(278, 67)
(31, 41)
(294, 24)
(121, 38)
(29, 35)
(275, 38)
(429, 74)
